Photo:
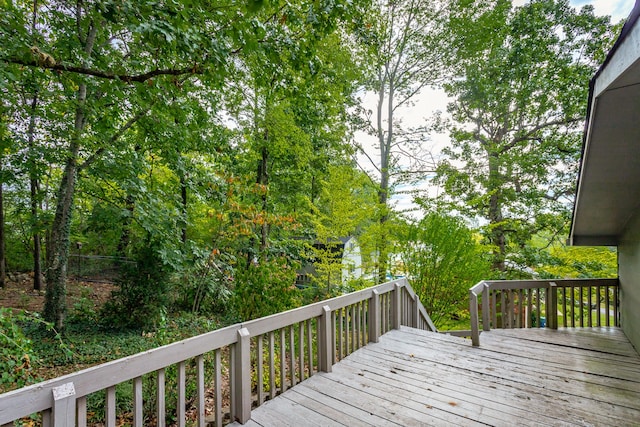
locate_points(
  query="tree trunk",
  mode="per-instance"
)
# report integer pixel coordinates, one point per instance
(2, 254)
(34, 192)
(125, 235)
(183, 194)
(263, 180)
(37, 240)
(384, 141)
(58, 256)
(496, 231)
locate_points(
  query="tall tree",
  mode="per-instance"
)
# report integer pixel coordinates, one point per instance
(518, 113)
(408, 50)
(110, 63)
(102, 53)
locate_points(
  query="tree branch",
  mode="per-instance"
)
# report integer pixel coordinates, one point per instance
(91, 159)
(128, 78)
(532, 131)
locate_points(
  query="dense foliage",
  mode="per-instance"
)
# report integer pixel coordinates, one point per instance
(206, 147)
(518, 118)
(443, 259)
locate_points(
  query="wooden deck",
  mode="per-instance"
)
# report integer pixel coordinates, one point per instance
(534, 377)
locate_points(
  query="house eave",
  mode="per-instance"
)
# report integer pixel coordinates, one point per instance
(608, 188)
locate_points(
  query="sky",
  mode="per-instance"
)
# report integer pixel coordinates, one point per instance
(430, 101)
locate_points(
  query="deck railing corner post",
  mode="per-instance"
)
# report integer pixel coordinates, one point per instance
(242, 386)
(374, 316)
(64, 405)
(473, 311)
(326, 340)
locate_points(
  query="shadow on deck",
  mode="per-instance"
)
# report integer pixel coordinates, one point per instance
(516, 377)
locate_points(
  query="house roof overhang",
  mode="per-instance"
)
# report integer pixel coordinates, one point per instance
(608, 190)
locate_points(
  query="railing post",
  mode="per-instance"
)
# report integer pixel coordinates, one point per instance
(552, 312)
(242, 386)
(374, 316)
(64, 405)
(473, 311)
(486, 310)
(396, 309)
(326, 340)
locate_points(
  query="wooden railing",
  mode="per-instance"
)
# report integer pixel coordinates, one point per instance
(542, 303)
(221, 375)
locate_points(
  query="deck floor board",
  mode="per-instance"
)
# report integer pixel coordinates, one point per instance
(588, 376)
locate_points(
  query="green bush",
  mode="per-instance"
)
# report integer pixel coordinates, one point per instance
(203, 286)
(142, 296)
(17, 354)
(442, 260)
(264, 288)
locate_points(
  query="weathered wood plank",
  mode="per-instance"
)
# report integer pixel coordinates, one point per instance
(381, 400)
(578, 382)
(535, 399)
(420, 378)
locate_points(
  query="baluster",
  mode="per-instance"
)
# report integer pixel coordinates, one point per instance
(138, 404)
(503, 311)
(564, 307)
(292, 356)
(232, 381)
(341, 334)
(283, 362)
(272, 366)
(181, 394)
(81, 411)
(520, 310)
(347, 331)
(608, 304)
(301, 350)
(310, 346)
(616, 296)
(581, 307)
(201, 390)
(590, 321)
(110, 410)
(529, 308)
(46, 419)
(260, 369)
(160, 400)
(354, 329)
(218, 387)
(599, 305)
(494, 308)
(332, 336)
(573, 307)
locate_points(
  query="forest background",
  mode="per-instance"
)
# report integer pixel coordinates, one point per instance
(201, 149)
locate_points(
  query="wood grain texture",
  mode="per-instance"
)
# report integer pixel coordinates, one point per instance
(532, 377)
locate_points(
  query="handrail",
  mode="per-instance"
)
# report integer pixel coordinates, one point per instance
(523, 301)
(318, 335)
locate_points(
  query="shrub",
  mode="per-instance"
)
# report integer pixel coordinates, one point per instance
(264, 288)
(17, 355)
(141, 299)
